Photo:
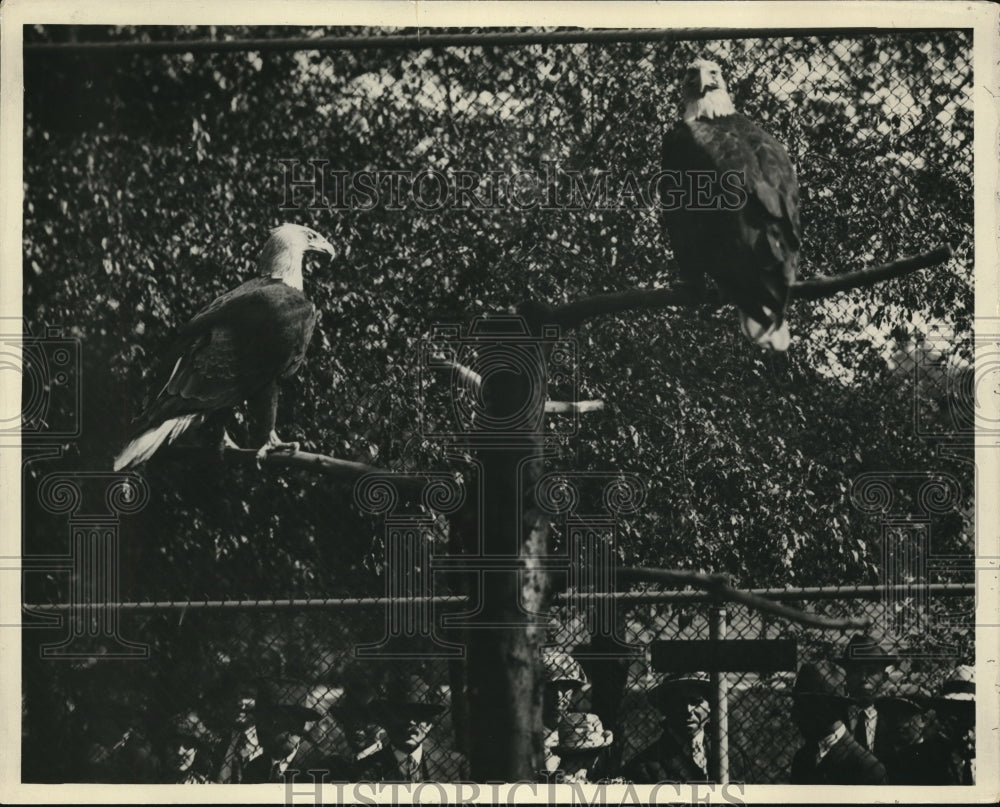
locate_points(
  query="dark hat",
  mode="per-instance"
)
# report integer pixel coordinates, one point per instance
(904, 700)
(351, 712)
(407, 700)
(561, 668)
(285, 700)
(677, 684)
(186, 726)
(358, 684)
(958, 691)
(863, 649)
(821, 679)
(245, 690)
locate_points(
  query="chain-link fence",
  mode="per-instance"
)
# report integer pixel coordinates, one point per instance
(458, 178)
(111, 721)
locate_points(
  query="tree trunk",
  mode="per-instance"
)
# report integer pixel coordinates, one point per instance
(504, 684)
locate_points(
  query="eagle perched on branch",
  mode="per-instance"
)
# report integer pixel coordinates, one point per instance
(748, 242)
(236, 349)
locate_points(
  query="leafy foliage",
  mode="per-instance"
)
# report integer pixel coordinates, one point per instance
(150, 188)
(155, 194)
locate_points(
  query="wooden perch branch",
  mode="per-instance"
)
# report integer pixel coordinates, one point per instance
(302, 460)
(816, 288)
(572, 315)
(718, 585)
(342, 470)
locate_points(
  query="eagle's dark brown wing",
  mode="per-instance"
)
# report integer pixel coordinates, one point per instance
(235, 347)
(750, 250)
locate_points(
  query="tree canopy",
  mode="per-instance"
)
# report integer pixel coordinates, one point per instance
(152, 192)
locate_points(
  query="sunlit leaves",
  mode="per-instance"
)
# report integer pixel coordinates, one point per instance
(153, 192)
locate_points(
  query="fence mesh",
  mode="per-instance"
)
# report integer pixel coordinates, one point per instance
(149, 189)
(101, 720)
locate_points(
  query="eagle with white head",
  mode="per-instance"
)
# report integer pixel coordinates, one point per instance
(236, 349)
(751, 249)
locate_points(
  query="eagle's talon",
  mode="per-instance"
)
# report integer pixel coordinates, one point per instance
(274, 445)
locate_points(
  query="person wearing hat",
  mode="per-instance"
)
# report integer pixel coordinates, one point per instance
(362, 736)
(403, 755)
(865, 663)
(681, 753)
(564, 677)
(282, 722)
(953, 746)
(903, 710)
(582, 741)
(183, 739)
(830, 756)
(242, 744)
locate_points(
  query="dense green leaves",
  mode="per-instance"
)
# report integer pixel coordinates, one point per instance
(154, 193)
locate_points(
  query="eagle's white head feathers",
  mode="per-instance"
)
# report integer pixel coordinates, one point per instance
(283, 252)
(705, 93)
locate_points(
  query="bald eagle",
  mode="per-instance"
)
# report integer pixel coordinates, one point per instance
(750, 247)
(236, 349)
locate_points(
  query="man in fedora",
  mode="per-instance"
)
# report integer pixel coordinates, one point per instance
(681, 752)
(865, 663)
(283, 722)
(241, 746)
(185, 744)
(578, 751)
(564, 677)
(404, 756)
(954, 745)
(362, 736)
(830, 756)
(904, 712)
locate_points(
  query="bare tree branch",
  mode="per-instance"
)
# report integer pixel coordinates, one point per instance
(572, 315)
(816, 288)
(342, 470)
(718, 585)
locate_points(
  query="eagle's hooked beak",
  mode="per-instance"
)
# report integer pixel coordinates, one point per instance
(322, 245)
(705, 82)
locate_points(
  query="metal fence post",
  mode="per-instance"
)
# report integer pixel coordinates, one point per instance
(718, 762)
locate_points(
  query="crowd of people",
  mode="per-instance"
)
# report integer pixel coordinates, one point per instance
(855, 727)
(859, 731)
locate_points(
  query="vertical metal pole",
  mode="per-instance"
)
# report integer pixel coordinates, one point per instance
(718, 761)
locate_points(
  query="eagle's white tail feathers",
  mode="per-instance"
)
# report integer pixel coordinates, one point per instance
(145, 445)
(773, 337)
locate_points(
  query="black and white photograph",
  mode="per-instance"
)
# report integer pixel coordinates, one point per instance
(499, 402)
